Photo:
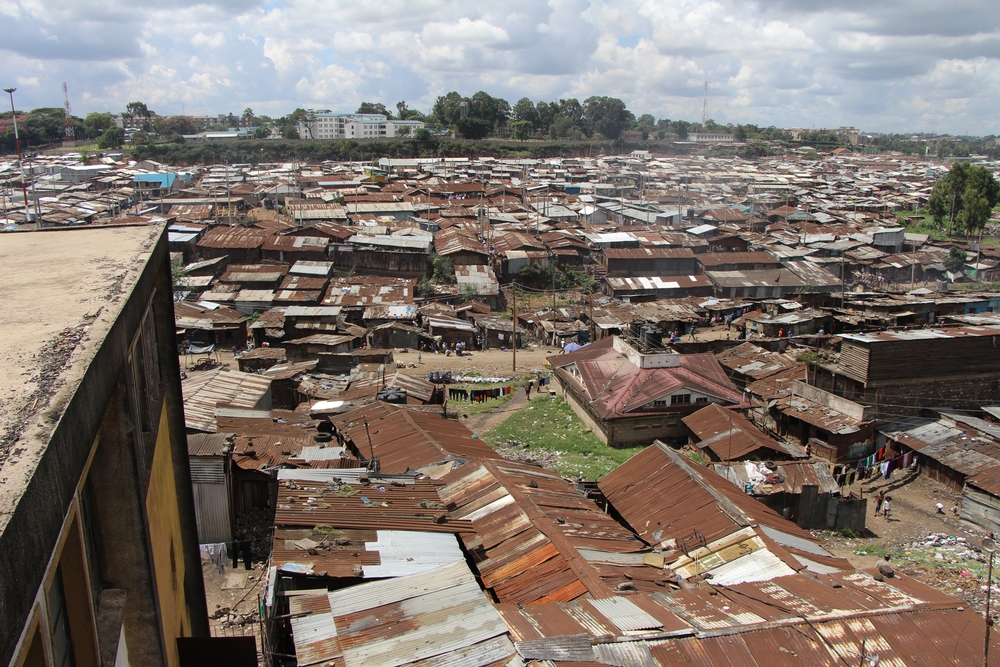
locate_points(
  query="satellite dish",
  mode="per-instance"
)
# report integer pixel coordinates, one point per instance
(989, 546)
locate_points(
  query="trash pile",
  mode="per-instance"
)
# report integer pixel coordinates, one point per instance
(950, 564)
(514, 450)
(255, 525)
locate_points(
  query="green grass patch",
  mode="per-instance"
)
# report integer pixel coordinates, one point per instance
(925, 225)
(550, 424)
(696, 457)
(872, 549)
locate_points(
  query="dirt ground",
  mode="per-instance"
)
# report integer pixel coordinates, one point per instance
(491, 362)
(232, 599)
(940, 550)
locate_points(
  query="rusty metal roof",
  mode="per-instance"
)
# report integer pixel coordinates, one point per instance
(695, 515)
(406, 439)
(297, 243)
(649, 252)
(303, 282)
(352, 498)
(755, 362)
(791, 621)
(368, 290)
(362, 553)
(732, 437)
(531, 527)
(233, 237)
(206, 391)
(437, 617)
(616, 387)
(209, 444)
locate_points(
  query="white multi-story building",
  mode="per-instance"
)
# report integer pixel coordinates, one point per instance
(710, 137)
(326, 126)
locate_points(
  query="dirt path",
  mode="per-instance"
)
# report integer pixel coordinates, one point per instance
(912, 518)
(490, 420)
(491, 362)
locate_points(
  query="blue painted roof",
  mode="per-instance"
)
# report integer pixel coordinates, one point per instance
(165, 180)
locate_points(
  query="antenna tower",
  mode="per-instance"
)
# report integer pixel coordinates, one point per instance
(70, 132)
(704, 108)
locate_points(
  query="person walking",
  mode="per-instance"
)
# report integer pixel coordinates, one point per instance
(527, 389)
(887, 507)
(878, 502)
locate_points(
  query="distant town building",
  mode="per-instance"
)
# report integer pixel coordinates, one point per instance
(711, 137)
(325, 125)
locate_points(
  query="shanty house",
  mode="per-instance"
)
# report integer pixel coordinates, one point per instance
(629, 395)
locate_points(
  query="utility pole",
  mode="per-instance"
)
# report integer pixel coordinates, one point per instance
(593, 332)
(20, 160)
(913, 264)
(704, 109)
(513, 337)
(979, 245)
(843, 279)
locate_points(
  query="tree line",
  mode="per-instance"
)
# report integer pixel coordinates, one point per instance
(477, 117)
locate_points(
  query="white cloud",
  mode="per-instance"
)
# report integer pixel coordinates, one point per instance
(213, 41)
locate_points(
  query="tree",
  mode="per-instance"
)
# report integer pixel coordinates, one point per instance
(442, 269)
(522, 130)
(248, 118)
(645, 122)
(493, 110)
(447, 108)
(290, 132)
(374, 108)
(546, 114)
(739, 133)
(140, 111)
(607, 115)
(95, 123)
(175, 125)
(949, 196)
(405, 113)
(525, 110)
(975, 211)
(424, 139)
(112, 138)
(955, 261)
(262, 132)
(43, 126)
(474, 128)
(177, 276)
(469, 292)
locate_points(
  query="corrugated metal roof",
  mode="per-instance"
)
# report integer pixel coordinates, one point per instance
(731, 436)
(438, 617)
(405, 439)
(625, 614)
(666, 497)
(206, 391)
(529, 525)
(209, 444)
(311, 268)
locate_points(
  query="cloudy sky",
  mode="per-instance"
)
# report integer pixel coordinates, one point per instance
(881, 65)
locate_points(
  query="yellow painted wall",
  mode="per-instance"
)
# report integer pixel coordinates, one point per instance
(166, 542)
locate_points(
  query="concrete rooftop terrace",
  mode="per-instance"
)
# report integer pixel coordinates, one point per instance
(60, 292)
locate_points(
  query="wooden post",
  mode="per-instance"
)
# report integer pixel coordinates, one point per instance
(513, 338)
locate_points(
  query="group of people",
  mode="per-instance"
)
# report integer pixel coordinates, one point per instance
(883, 504)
